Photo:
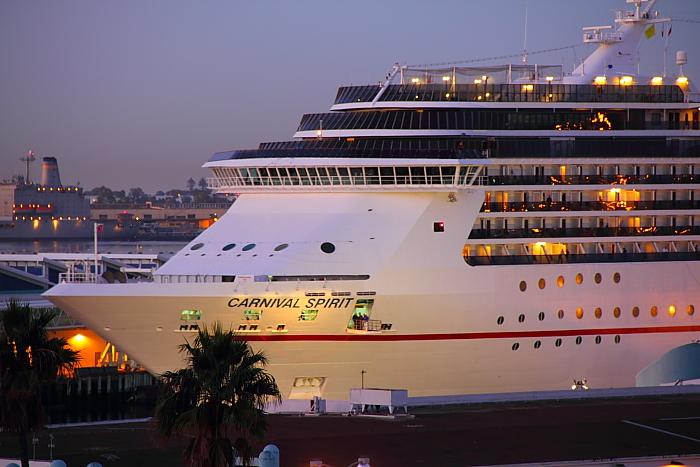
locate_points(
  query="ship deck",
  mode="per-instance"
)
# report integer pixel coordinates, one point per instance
(607, 431)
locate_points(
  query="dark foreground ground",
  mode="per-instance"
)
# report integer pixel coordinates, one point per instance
(460, 435)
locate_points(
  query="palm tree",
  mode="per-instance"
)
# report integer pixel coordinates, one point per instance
(29, 361)
(224, 386)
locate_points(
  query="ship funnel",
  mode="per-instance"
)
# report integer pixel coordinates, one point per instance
(49, 173)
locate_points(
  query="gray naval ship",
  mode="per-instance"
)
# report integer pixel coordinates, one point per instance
(50, 210)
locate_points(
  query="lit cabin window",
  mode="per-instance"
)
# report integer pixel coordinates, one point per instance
(191, 315)
(308, 315)
(252, 315)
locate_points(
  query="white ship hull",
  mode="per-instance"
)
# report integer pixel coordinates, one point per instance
(444, 336)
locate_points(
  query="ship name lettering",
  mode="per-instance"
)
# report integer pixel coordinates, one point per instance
(257, 302)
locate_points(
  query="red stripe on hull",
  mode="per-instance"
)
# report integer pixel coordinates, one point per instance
(474, 335)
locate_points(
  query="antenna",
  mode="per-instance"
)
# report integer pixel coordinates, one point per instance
(527, 7)
(28, 159)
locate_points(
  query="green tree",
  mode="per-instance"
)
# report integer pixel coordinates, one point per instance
(29, 361)
(190, 184)
(223, 387)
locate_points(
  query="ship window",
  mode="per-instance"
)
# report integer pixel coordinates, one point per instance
(521, 319)
(672, 310)
(654, 311)
(523, 286)
(616, 312)
(500, 320)
(579, 313)
(281, 247)
(560, 314)
(579, 278)
(191, 315)
(635, 311)
(537, 344)
(541, 283)
(230, 246)
(598, 278)
(248, 247)
(327, 247)
(691, 310)
(598, 339)
(557, 343)
(252, 315)
(616, 277)
(228, 278)
(598, 313)
(308, 315)
(541, 316)
(242, 327)
(560, 281)
(578, 340)
(617, 339)
(516, 346)
(197, 246)
(280, 327)
(438, 226)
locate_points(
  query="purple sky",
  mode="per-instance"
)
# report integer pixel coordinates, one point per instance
(140, 93)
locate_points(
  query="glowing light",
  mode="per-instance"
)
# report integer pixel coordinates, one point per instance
(542, 244)
(79, 338)
(477, 81)
(600, 79)
(682, 80)
(528, 87)
(446, 78)
(656, 80)
(626, 80)
(550, 78)
(672, 310)
(415, 80)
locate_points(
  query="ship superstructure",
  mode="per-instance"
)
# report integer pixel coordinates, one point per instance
(453, 230)
(51, 210)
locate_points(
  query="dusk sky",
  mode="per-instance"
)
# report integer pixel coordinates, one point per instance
(140, 93)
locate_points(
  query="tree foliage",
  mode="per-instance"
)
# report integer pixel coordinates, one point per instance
(223, 387)
(29, 361)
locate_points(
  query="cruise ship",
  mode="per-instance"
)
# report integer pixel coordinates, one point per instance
(451, 230)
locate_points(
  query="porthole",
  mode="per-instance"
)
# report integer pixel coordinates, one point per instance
(537, 344)
(579, 313)
(500, 320)
(521, 319)
(598, 278)
(598, 313)
(560, 281)
(635, 311)
(616, 312)
(541, 283)
(598, 339)
(327, 247)
(281, 247)
(523, 286)
(690, 310)
(230, 246)
(578, 340)
(672, 310)
(579, 278)
(616, 278)
(654, 311)
(560, 314)
(248, 247)
(516, 346)
(557, 343)
(541, 316)
(617, 339)
(197, 246)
